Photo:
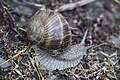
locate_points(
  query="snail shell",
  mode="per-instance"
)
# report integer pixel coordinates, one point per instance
(52, 36)
(50, 29)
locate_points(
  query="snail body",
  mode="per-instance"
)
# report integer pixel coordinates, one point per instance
(51, 34)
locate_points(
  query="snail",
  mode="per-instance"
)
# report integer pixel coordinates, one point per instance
(51, 34)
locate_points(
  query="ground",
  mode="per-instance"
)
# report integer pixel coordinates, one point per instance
(101, 18)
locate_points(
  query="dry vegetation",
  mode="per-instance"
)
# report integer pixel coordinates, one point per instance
(100, 17)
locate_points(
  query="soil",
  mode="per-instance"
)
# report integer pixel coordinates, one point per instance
(101, 18)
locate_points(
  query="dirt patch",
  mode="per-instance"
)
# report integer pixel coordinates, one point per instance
(101, 18)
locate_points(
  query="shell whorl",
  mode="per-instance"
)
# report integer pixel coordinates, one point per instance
(50, 29)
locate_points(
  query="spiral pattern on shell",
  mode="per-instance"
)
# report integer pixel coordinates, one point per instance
(50, 29)
(52, 37)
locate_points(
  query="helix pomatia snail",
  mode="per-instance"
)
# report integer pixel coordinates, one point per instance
(52, 36)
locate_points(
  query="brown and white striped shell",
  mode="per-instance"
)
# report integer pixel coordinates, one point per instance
(52, 37)
(50, 29)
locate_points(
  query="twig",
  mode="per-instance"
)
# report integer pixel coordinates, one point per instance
(35, 65)
(28, 4)
(16, 55)
(6, 8)
(71, 6)
(117, 1)
(35, 5)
